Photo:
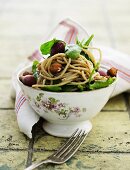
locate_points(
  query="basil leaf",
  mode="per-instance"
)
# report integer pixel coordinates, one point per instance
(101, 84)
(34, 68)
(52, 88)
(45, 48)
(73, 51)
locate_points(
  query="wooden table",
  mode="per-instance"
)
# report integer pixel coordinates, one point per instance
(23, 25)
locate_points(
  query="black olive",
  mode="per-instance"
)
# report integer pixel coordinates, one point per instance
(58, 47)
(28, 80)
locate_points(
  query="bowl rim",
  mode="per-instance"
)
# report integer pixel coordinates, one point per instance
(79, 92)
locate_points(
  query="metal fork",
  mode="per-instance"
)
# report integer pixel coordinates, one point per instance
(66, 151)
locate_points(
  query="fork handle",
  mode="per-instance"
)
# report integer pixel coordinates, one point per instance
(33, 166)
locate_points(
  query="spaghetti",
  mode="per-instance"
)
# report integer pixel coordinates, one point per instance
(69, 67)
(74, 71)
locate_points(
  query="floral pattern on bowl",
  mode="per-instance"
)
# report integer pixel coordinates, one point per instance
(54, 105)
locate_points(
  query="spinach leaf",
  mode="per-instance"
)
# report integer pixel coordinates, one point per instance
(69, 88)
(81, 87)
(73, 88)
(85, 55)
(34, 68)
(45, 48)
(101, 84)
(52, 88)
(73, 51)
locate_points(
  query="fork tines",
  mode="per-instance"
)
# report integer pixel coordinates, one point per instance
(66, 151)
(70, 147)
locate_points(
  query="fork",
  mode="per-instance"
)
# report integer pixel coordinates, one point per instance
(66, 151)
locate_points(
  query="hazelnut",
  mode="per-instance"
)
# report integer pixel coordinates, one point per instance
(112, 72)
(55, 68)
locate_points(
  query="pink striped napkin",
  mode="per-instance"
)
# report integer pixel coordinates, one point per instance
(67, 30)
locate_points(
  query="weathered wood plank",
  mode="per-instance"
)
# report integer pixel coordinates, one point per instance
(110, 133)
(87, 161)
(5, 91)
(12, 160)
(10, 136)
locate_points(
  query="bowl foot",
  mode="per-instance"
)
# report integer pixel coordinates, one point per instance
(62, 130)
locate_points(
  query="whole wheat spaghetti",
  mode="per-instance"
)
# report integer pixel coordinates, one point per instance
(74, 71)
(68, 68)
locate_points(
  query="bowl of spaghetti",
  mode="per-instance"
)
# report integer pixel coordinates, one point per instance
(68, 87)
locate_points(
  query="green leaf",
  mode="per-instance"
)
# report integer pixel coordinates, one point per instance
(101, 84)
(89, 40)
(73, 88)
(45, 48)
(85, 55)
(78, 42)
(93, 71)
(69, 88)
(73, 51)
(52, 88)
(82, 44)
(81, 87)
(34, 68)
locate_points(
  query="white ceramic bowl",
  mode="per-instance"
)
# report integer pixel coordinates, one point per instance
(66, 111)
